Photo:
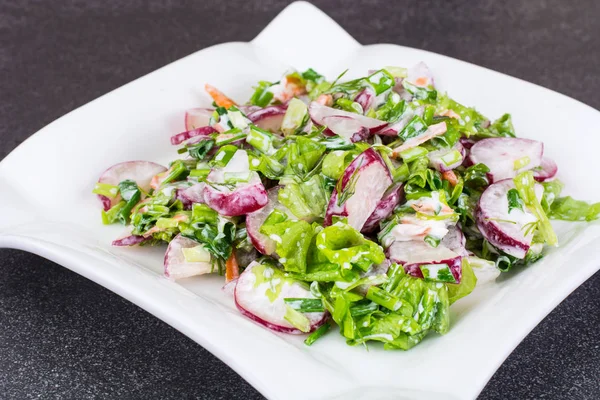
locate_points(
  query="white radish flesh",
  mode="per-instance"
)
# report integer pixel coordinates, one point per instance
(348, 125)
(505, 230)
(197, 118)
(507, 157)
(197, 132)
(175, 265)
(254, 221)
(260, 292)
(415, 254)
(447, 159)
(546, 171)
(141, 172)
(385, 208)
(269, 118)
(368, 178)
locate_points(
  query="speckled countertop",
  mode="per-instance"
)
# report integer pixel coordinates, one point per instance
(62, 336)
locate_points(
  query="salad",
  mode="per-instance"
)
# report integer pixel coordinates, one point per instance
(372, 204)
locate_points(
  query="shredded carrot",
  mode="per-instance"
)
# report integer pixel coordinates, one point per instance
(422, 81)
(325, 99)
(232, 269)
(450, 176)
(220, 99)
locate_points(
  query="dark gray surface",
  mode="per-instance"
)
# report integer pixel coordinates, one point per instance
(62, 336)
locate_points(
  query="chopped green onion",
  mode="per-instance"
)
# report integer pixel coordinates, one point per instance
(388, 301)
(432, 241)
(297, 319)
(396, 72)
(112, 215)
(521, 162)
(260, 139)
(349, 105)
(236, 177)
(223, 156)
(177, 169)
(295, 117)
(437, 273)
(237, 119)
(104, 189)
(451, 158)
(230, 136)
(305, 305)
(196, 254)
(262, 95)
(199, 173)
(412, 154)
(317, 334)
(202, 213)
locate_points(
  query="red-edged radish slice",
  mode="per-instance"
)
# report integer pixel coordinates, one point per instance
(259, 295)
(366, 98)
(417, 256)
(546, 171)
(235, 199)
(176, 266)
(131, 240)
(391, 198)
(248, 109)
(505, 230)
(183, 136)
(254, 221)
(431, 132)
(367, 177)
(348, 125)
(141, 172)
(197, 117)
(192, 194)
(396, 127)
(447, 159)
(507, 157)
(269, 118)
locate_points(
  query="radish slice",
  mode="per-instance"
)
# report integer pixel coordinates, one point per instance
(260, 293)
(418, 255)
(141, 172)
(431, 132)
(183, 136)
(130, 240)
(385, 207)
(467, 143)
(351, 126)
(368, 177)
(197, 117)
(366, 98)
(507, 157)
(546, 171)
(447, 159)
(420, 75)
(455, 240)
(269, 118)
(176, 267)
(503, 229)
(254, 221)
(248, 109)
(240, 198)
(191, 195)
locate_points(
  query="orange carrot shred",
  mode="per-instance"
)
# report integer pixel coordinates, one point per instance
(450, 176)
(220, 99)
(232, 269)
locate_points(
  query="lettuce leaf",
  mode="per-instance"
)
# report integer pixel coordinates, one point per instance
(293, 240)
(466, 285)
(569, 209)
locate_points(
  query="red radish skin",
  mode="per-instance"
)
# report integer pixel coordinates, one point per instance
(346, 124)
(492, 214)
(197, 117)
(243, 199)
(414, 254)
(547, 170)
(268, 118)
(391, 198)
(500, 154)
(372, 179)
(131, 240)
(365, 98)
(200, 132)
(141, 172)
(175, 266)
(254, 304)
(254, 221)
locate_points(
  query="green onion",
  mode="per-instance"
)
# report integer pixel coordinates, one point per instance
(196, 254)
(237, 119)
(317, 334)
(132, 194)
(104, 189)
(521, 162)
(262, 95)
(199, 173)
(112, 215)
(236, 177)
(432, 241)
(223, 156)
(295, 117)
(177, 169)
(358, 310)
(229, 136)
(396, 72)
(166, 223)
(305, 305)
(202, 213)
(388, 301)
(297, 319)
(451, 158)
(412, 154)
(260, 139)
(437, 273)
(414, 128)
(349, 105)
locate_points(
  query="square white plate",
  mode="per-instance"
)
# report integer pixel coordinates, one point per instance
(46, 207)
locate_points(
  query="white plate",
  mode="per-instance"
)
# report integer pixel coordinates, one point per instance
(47, 208)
